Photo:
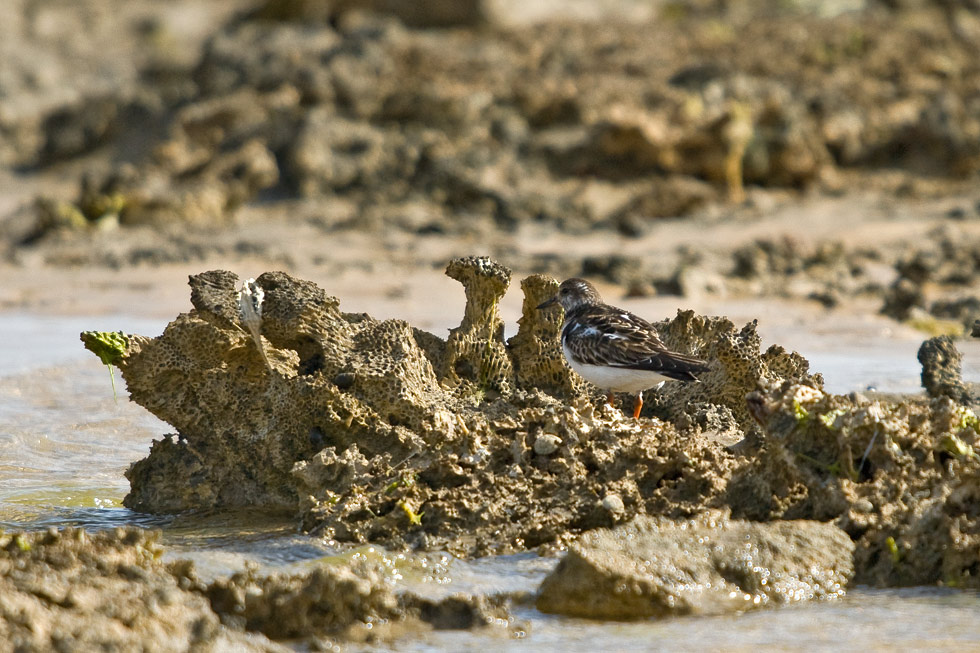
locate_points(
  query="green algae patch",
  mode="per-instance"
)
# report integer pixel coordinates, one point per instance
(110, 347)
(68, 496)
(934, 326)
(892, 546)
(955, 446)
(414, 518)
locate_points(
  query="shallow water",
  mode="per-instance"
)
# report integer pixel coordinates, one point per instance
(915, 619)
(65, 444)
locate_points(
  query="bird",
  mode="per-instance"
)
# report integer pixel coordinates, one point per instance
(613, 348)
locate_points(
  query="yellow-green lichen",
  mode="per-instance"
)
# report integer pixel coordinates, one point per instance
(22, 542)
(403, 482)
(967, 419)
(98, 207)
(955, 446)
(829, 419)
(110, 347)
(414, 518)
(800, 413)
(893, 549)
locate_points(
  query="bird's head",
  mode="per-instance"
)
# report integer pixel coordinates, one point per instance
(573, 293)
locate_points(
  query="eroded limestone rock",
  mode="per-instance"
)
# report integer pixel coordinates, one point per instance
(941, 369)
(371, 432)
(655, 567)
(737, 367)
(326, 600)
(111, 591)
(475, 349)
(104, 591)
(536, 349)
(379, 432)
(893, 474)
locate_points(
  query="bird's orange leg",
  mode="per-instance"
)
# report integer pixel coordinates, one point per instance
(638, 406)
(610, 399)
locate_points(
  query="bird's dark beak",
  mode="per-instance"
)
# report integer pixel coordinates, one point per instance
(548, 302)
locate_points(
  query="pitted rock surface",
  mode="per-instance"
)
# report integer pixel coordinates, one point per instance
(213, 294)
(112, 590)
(104, 591)
(475, 349)
(297, 315)
(736, 368)
(862, 464)
(370, 430)
(536, 349)
(354, 425)
(941, 369)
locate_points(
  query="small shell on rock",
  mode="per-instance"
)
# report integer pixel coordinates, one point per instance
(546, 444)
(250, 299)
(613, 503)
(477, 457)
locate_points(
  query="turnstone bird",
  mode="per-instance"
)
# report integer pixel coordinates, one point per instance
(614, 349)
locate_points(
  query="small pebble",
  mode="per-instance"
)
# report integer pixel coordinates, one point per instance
(546, 444)
(863, 505)
(344, 380)
(613, 503)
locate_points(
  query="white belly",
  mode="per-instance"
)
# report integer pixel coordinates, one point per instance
(616, 379)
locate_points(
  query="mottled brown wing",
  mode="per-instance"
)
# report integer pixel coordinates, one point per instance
(607, 336)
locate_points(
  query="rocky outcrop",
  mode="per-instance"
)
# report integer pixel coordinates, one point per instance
(374, 431)
(107, 591)
(349, 103)
(941, 369)
(896, 475)
(111, 590)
